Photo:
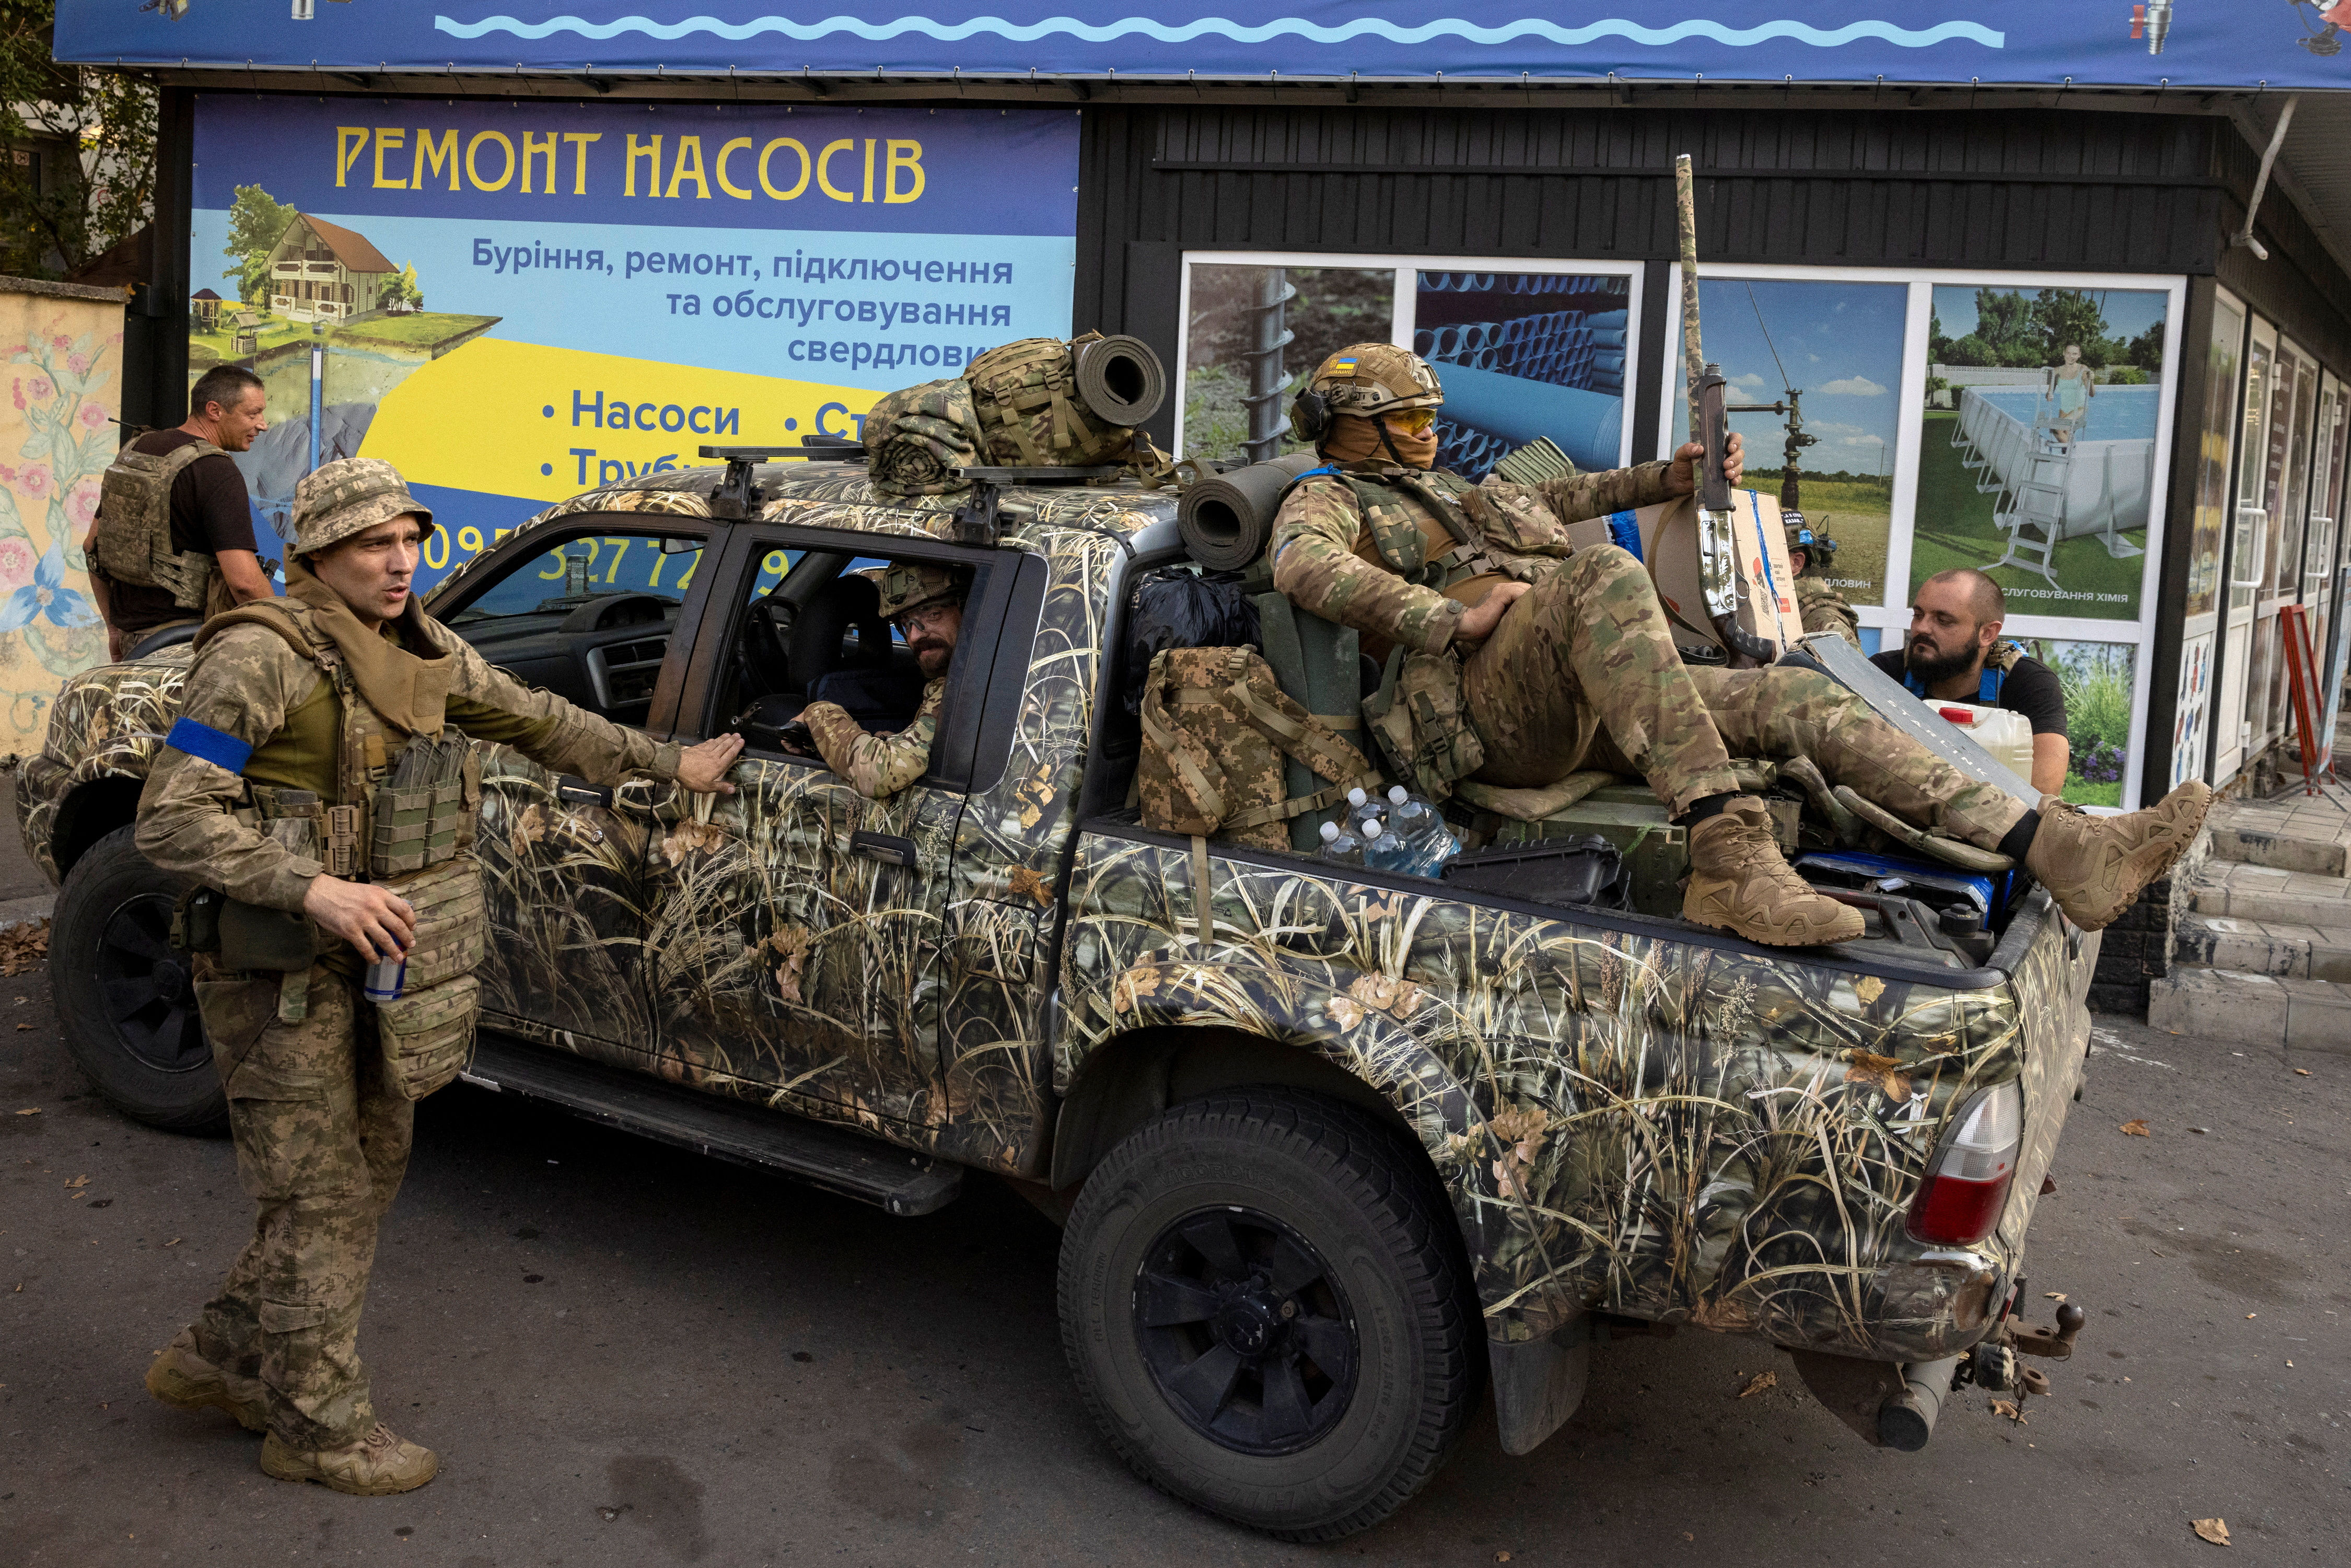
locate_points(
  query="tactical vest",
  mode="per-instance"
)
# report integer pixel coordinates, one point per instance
(134, 524)
(416, 840)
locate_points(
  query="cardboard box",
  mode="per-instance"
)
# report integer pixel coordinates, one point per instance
(1665, 538)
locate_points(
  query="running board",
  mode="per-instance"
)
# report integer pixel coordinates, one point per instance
(897, 1180)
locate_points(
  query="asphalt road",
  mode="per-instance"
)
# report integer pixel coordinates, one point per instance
(633, 1356)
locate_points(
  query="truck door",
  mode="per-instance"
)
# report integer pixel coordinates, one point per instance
(585, 608)
(794, 928)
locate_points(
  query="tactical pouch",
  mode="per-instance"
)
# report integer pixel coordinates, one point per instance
(252, 938)
(1216, 728)
(427, 1037)
(1420, 722)
(426, 1033)
(195, 920)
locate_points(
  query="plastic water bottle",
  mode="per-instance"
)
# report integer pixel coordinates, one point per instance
(1424, 843)
(1340, 848)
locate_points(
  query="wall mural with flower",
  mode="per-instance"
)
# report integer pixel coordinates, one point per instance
(64, 353)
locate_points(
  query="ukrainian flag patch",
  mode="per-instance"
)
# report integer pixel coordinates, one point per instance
(1344, 365)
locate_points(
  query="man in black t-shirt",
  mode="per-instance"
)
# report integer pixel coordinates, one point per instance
(1954, 652)
(210, 512)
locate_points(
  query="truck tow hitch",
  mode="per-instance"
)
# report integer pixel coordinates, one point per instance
(1895, 1406)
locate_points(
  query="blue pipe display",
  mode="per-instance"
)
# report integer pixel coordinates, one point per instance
(1587, 425)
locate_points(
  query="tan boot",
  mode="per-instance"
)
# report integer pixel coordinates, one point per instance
(2094, 866)
(186, 1381)
(1738, 882)
(378, 1465)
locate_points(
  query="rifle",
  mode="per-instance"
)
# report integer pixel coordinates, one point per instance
(1718, 546)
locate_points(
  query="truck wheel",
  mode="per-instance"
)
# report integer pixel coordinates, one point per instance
(1266, 1305)
(124, 994)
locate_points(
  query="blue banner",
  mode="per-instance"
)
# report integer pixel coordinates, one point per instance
(2178, 42)
(516, 301)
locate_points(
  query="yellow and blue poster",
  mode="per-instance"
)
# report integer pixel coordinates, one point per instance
(514, 302)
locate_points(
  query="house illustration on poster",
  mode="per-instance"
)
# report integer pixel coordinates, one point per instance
(320, 271)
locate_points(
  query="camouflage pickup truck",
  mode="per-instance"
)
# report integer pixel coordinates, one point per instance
(1335, 1151)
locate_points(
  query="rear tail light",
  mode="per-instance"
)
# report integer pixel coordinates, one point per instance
(1968, 1178)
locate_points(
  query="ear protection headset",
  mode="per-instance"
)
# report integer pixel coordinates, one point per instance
(1310, 417)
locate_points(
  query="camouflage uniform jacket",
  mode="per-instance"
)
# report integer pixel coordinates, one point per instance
(1325, 562)
(1824, 609)
(876, 765)
(250, 684)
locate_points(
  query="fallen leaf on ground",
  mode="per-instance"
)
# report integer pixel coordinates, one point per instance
(1502, 1557)
(30, 1111)
(2008, 1408)
(79, 1181)
(23, 947)
(2052, 1295)
(173, 1242)
(2250, 1316)
(1758, 1383)
(22, 1027)
(2301, 1072)
(2136, 1128)
(2215, 1530)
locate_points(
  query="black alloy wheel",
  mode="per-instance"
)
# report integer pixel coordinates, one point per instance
(1246, 1331)
(126, 996)
(1267, 1306)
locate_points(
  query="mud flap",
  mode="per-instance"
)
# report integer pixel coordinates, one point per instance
(1538, 1383)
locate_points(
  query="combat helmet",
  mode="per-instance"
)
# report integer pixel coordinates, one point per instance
(1367, 379)
(911, 584)
(1819, 551)
(350, 496)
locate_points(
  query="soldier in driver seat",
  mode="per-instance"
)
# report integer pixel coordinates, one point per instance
(926, 604)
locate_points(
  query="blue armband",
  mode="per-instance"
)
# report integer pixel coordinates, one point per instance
(216, 747)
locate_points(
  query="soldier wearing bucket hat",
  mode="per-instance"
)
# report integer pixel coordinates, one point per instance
(925, 603)
(300, 717)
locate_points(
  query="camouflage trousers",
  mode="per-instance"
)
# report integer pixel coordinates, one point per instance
(321, 1145)
(1582, 673)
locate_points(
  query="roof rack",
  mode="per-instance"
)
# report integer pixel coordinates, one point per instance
(738, 492)
(976, 522)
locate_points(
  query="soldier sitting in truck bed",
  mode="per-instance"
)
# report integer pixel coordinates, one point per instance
(1585, 675)
(926, 604)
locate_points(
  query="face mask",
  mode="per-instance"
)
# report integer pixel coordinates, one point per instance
(1357, 439)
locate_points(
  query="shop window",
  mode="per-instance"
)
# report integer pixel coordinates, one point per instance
(2216, 446)
(1522, 351)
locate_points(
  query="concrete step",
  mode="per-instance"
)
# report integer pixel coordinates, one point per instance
(2278, 948)
(2295, 833)
(2231, 1009)
(2266, 893)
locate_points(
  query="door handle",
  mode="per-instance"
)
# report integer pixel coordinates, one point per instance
(887, 848)
(570, 791)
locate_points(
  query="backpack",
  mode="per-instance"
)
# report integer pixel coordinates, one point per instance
(1026, 393)
(134, 524)
(1216, 729)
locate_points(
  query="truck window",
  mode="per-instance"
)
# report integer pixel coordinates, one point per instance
(565, 576)
(811, 629)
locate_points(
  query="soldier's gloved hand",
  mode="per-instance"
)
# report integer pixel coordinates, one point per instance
(376, 921)
(1681, 478)
(702, 769)
(1477, 623)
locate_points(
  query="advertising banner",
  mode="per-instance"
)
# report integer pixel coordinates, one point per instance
(515, 302)
(2182, 43)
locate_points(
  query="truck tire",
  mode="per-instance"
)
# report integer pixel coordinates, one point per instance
(1266, 1305)
(124, 994)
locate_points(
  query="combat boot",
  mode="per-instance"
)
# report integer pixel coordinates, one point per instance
(186, 1381)
(2094, 866)
(1738, 882)
(378, 1465)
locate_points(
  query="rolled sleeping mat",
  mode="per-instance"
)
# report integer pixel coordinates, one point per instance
(1226, 520)
(1121, 379)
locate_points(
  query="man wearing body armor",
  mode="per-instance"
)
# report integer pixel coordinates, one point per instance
(1811, 557)
(926, 604)
(1514, 661)
(286, 785)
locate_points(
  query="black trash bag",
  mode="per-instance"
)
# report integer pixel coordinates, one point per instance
(1175, 607)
